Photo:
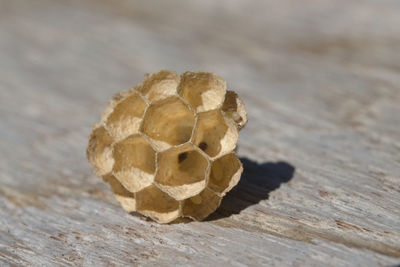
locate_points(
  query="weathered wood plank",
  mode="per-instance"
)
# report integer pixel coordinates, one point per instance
(321, 150)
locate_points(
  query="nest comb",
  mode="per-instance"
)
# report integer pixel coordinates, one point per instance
(166, 146)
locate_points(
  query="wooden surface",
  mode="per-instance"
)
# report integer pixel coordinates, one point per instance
(321, 150)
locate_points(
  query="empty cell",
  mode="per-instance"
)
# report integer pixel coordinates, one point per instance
(99, 152)
(134, 163)
(203, 90)
(213, 134)
(169, 122)
(181, 171)
(116, 99)
(201, 205)
(225, 173)
(126, 198)
(153, 202)
(160, 85)
(235, 109)
(126, 116)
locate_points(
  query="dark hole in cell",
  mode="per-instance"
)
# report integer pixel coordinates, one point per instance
(203, 146)
(182, 157)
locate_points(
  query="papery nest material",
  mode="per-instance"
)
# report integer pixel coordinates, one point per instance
(166, 146)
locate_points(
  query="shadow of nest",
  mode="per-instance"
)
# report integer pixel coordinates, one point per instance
(257, 182)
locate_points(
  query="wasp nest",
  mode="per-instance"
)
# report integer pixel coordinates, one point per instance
(166, 147)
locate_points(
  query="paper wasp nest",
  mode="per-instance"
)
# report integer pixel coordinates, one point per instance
(166, 147)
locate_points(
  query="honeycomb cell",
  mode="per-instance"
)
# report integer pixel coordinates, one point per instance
(156, 204)
(124, 197)
(200, 206)
(160, 85)
(204, 91)
(213, 134)
(126, 116)
(114, 101)
(181, 171)
(99, 151)
(225, 174)
(235, 109)
(134, 163)
(169, 122)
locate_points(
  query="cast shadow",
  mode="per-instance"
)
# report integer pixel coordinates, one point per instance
(258, 180)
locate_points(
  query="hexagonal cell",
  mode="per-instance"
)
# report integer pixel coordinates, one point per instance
(201, 205)
(126, 198)
(181, 171)
(134, 163)
(117, 98)
(213, 134)
(160, 85)
(168, 122)
(126, 116)
(99, 151)
(234, 108)
(203, 90)
(156, 204)
(225, 173)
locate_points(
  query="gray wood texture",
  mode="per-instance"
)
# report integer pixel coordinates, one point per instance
(321, 151)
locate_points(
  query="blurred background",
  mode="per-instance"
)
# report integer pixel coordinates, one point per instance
(298, 64)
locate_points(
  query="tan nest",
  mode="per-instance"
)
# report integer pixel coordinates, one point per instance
(166, 147)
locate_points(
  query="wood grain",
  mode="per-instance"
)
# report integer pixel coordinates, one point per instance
(321, 151)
